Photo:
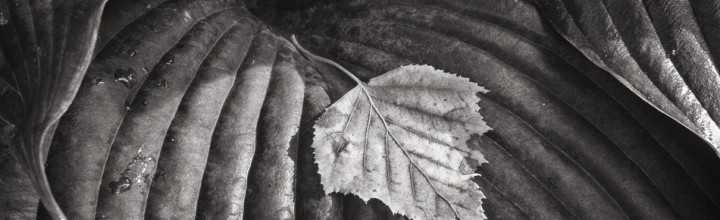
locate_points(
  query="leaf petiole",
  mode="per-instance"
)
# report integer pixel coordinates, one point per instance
(311, 56)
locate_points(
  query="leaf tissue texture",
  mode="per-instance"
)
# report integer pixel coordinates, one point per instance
(46, 49)
(405, 143)
(595, 108)
(663, 50)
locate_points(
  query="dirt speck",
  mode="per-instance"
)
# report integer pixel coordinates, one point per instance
(3, 20)
(126, 77)
(134, 175)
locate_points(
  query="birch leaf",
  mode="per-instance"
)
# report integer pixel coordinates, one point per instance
(401, 139)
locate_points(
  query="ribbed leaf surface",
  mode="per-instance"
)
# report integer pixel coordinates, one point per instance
(599, 109)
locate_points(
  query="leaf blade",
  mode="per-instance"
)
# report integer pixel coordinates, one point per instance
(54, 63)
(432, 161)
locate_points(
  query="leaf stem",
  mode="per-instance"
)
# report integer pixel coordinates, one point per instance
(311, 56)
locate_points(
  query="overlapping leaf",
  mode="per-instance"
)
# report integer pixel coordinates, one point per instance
(48, 45)
(659, 49)
(404, 143)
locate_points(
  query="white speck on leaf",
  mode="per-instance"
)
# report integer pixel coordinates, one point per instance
(186, 16)
(3, 20)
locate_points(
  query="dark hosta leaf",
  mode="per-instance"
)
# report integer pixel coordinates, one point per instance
(183, 57)
(657, 48)
(47, 47)
(569, 140)
(235, 135)
(182, 78)
(173, 110)
(659, 51)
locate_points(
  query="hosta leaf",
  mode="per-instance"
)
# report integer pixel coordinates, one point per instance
(177, 51)
(659, 49)
(47, 46)
(665, 53)
(401, 139)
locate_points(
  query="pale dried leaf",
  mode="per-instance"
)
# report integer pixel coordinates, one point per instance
(416, 165)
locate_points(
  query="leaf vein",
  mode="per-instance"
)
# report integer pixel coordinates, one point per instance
(413, 188)
(424, 112)
(423, 135)
(365, 141)
(388, 167)
(425, 157)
